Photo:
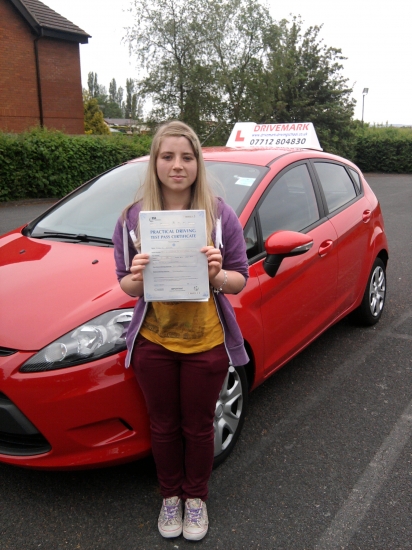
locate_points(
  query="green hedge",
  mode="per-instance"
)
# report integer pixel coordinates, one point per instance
(384, 150)
(45, 164)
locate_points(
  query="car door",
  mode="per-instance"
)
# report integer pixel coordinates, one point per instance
(299, 301)
(350, 214)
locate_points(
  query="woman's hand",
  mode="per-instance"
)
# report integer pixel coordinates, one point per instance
(138, 266)
(214, 260)
(132, 283)
(231, 282)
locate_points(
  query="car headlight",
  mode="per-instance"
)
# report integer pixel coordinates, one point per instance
(102, 336)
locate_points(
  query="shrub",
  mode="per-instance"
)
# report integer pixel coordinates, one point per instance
(44, 164)
(384, 149)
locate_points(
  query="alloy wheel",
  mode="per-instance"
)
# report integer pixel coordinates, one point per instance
(229, 407)
(377, 291)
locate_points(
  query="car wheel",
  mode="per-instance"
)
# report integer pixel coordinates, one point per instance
(230, 413)
(373, 302)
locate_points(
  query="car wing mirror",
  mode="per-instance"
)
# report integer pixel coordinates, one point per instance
(284, 244)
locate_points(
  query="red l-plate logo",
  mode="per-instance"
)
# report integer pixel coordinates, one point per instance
(238, 136)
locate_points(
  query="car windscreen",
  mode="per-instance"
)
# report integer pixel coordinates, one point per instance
(234, 182)
(94, 208)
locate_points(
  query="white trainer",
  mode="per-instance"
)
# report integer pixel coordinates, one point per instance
(170, 518)
(196, 523)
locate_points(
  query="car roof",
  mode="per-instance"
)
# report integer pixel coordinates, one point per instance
(259, 156)
(262, 156)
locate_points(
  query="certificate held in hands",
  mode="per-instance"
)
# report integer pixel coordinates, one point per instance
(177, 270)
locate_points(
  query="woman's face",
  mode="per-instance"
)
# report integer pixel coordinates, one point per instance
(176, 165)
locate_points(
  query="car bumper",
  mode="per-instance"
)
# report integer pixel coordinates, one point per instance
(91, 415)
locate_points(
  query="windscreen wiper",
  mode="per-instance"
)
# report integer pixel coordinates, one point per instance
(80, 237)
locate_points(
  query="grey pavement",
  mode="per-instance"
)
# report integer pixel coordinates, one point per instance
(16, 213)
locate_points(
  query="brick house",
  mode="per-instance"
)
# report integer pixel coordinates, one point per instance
(40, 81)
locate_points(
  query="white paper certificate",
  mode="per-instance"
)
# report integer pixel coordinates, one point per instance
(177, 270)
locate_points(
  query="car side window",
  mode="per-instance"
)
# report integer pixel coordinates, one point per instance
(336, 184)
(290, 203)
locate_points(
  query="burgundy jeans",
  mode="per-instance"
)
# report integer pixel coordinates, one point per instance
(181, 390)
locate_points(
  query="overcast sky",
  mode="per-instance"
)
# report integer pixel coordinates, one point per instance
(374, 35)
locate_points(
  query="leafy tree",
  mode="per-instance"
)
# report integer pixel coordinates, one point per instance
(101, 96)
(236, 31)
(214, 62)
(93, 84)
(97, 91)
(129, 97)
(113, 91)
(137, 107)
(202, 58)
(304, 83)
(119, 98)
(111, 105)
(93, 116)
(112, 110)
(167, 39)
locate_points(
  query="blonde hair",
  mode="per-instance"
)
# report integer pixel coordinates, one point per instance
(202, 196)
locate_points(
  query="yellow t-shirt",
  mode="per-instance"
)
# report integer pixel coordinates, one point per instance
(184, 327)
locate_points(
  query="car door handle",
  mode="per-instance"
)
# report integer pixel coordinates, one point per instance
(325, 247)
(366, 216)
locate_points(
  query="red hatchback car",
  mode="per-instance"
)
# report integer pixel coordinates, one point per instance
(317, 251)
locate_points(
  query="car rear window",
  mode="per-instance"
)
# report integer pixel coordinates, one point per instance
(336, 184)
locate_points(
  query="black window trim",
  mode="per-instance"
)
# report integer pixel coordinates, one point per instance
(349, 169)
(261, 249)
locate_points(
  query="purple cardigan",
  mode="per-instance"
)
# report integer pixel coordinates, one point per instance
(233, 249)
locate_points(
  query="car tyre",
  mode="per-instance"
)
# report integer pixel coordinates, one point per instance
(370, 310)
(230, 413)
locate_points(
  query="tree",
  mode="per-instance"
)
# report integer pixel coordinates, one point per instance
(129, 97)
(93, 116)
(215, 62)
(304, 82)
(202, 58)
(113, 91)
(92, 84)
(119, 98)
(167, 39)
(112, 110)
(236, 31)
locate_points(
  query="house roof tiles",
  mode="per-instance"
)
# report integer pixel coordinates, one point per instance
(47, 22)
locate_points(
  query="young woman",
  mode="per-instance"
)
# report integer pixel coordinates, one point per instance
(181, 351)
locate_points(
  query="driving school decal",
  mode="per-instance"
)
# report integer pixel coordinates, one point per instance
(299, 135)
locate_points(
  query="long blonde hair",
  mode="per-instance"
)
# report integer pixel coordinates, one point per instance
(202, 196)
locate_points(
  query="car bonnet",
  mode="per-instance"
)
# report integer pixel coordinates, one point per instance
(49, 288)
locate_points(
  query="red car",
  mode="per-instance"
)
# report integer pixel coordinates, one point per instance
(317, 251)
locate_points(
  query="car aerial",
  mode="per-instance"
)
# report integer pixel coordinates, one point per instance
(317, 251)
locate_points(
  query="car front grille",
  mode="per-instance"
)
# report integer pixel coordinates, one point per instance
(18, 436)
(23, 445)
